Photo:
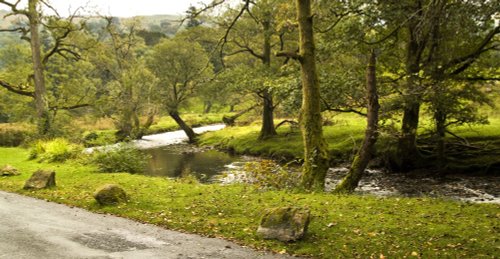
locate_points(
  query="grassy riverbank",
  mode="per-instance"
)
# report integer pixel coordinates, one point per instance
(478, 148)
(342, 226)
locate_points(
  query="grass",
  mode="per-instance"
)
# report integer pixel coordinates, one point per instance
(342, 226)
(346, 135)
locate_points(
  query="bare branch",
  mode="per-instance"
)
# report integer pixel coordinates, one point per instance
(293, 55)
(72, 107)
(223, 40)
(467, 60)
(246, 48)
(17, 89)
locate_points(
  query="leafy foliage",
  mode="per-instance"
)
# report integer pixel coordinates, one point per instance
(56, 150)
(267, 174)
(13, 135)
(124, 158)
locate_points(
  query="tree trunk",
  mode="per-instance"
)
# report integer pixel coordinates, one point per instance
(267, 129)
(42, 108)
(407, 147)
(230, 121)
(188, 130)
(440, 121)
(361, 160)
(207, 107)
(408, 155)
(316, 159)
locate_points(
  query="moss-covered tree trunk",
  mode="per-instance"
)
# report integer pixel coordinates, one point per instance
(361, 160)
(440, 121)
(186, 128)
(44, 122)
(268, 130)
(316, 158)
(407, 155)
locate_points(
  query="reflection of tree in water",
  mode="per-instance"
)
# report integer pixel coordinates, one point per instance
(183, 168)
(177, 162)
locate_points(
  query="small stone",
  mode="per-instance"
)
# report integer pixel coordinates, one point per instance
(8, 170)
(285, 224)
(110, 194)
(41, 179)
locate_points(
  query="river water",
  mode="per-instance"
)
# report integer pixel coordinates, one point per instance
(172, 158)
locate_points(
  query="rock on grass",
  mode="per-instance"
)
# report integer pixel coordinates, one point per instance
(110, 194)
(8, 170)
(285, 224)
(41, 179)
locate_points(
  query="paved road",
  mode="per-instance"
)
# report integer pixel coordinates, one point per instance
(31, 228)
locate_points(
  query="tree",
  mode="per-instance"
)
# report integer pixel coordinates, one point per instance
(430, 31)
(366, 152)
(181, 68)
(60, 30)
(127, 85)
(316, 158)
(257, 32)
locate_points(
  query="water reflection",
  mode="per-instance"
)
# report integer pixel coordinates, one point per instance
(181, 160)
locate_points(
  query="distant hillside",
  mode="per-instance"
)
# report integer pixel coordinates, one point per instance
(166, 24)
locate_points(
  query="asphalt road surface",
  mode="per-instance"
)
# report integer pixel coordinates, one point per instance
(31, 228)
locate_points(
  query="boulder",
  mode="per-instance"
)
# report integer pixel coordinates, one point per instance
(110, 194)
(8, 170)
(41, 179)
(285, 224)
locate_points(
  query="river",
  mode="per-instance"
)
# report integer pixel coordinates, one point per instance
(172, 158)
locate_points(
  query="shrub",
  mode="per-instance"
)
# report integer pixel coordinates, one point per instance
(270, 175)
(99, 138)
(56, 150)
(13, 135)
(124, 158)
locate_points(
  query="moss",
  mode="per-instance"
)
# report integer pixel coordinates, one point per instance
(110, 194)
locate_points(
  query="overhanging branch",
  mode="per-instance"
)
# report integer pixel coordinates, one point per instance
(17, 89)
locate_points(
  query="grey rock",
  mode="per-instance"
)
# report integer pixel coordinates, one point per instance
(285, 224)
(110, 194)
(41, 179)
(8, 170)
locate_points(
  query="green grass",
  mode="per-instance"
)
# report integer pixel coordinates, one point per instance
(342, 137)
(342, 226)
(346, 135)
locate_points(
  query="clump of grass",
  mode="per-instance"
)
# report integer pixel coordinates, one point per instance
(99, 138)
(124, 158)
(267, 174)
(15, 134)
(56, 150)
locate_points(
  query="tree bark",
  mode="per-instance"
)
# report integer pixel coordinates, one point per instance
(44, 123)
(207, 107)
(440, 121)
(268, 130)
(316, 160)
(361, 160)
(407, 152)
(230, 121)
(186, 128)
